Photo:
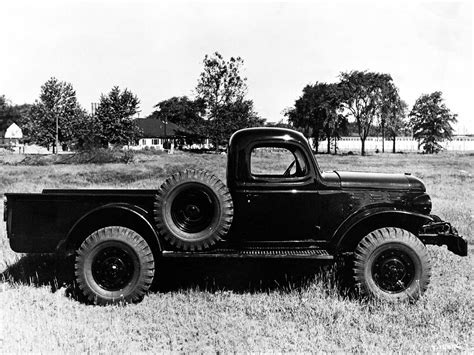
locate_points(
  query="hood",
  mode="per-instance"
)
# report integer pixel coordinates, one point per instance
(375, 181)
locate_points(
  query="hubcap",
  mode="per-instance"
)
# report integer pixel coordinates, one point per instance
(193, 210)
(112, 268)
(393, 271)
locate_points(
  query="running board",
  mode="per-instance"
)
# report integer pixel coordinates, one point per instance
(255, 252)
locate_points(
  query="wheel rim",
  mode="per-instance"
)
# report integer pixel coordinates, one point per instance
(113, 268)
(393, 271)
(193, 210)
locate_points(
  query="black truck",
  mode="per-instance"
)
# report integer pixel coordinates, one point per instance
(381, 222)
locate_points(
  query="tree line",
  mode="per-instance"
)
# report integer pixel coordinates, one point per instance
(57, 118)
(372, 101)
(364, 102)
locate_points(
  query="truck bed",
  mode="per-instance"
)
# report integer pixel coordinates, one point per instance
(37, 222)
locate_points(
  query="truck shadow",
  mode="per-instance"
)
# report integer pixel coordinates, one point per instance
(237, 275)
(40, 270)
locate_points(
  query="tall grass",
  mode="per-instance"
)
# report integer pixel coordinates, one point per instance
(237, 305)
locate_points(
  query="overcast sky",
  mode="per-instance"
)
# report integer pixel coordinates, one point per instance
(156, 48)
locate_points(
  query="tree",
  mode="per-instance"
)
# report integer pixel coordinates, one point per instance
(7, 113)
(395, 121)
(230, 118)
(390, 100)
(114, 117)
(51, 118)
(317, 113)
(4, 113)
(182, 111)
(335, 123)
(363, 94)
(86, 128)
(221, 83)
(431, 121)
(20, 114)
(334, 128)
(392, 114)
(306, 116)
(223, 89)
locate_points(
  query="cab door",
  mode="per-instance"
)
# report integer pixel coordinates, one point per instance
(279, 199)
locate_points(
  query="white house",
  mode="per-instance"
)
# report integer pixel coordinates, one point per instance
(13, 134)
(160, 135)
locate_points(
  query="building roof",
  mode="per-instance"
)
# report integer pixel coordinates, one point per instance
(13, 131)
(155, 128)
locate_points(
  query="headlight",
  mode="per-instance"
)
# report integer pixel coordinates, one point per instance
(422, 204)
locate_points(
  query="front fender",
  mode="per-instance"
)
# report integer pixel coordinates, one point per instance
(355, 227)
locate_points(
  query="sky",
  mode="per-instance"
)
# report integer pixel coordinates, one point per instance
(156, 48)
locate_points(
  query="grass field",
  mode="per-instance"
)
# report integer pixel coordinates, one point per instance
(237, 305)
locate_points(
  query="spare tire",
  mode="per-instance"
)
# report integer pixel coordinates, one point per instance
(193, 210)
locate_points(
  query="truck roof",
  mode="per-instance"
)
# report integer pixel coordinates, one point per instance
(244, 136)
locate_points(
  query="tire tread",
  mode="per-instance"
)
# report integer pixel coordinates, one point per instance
(223, 196)
(379, 237)
(133, 240)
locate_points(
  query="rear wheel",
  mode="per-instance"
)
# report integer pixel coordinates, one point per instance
(113, 265)
(391, 264)
(193, 210)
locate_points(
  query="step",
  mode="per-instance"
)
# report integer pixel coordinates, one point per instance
(255, 252)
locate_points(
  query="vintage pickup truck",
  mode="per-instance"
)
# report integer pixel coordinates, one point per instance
(381, 221)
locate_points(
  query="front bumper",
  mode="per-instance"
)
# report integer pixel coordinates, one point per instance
(443, 233)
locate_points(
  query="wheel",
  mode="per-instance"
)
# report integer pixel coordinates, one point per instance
(113, 265)
(391, 264)
(193, 210)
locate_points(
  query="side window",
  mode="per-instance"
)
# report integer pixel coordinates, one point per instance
(274, 161)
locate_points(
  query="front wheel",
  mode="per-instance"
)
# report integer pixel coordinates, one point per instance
(391, 264)
(113, 265)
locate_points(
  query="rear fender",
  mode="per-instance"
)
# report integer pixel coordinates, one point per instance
(124, 215)
(353, 229)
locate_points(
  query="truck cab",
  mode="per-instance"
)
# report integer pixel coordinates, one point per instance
(278, 201)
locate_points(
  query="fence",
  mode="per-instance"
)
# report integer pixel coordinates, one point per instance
(402, 144)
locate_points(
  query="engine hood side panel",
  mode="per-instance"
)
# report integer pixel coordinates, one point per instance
(379, 181)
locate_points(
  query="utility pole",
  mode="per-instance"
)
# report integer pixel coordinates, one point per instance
(166, 141)
(57, 133)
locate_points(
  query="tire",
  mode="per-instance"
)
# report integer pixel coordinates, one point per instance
(114, 265)
(391, 264)
(193, 210)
